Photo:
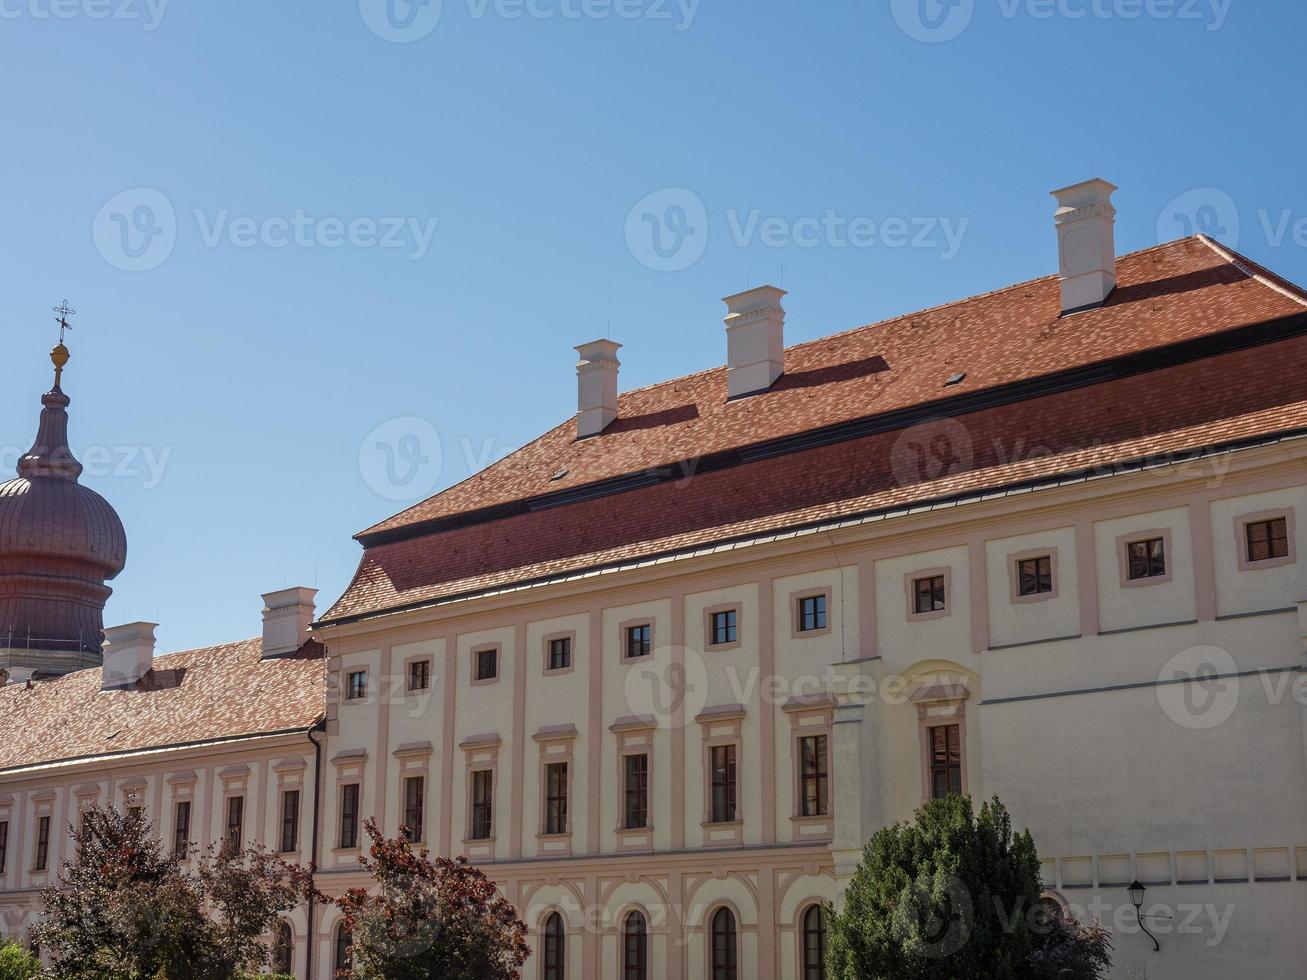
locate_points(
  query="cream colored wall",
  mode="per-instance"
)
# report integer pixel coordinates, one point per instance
(1144, 603)
(1032, 620)
(1242, 591)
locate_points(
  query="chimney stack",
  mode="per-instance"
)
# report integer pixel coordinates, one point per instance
(286, 618)
(596, 387)
(1086, 244)
(128, 654)
(755, 340)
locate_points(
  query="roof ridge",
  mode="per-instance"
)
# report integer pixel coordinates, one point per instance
(1256, 271)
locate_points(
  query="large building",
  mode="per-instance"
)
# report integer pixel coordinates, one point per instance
(666, 668)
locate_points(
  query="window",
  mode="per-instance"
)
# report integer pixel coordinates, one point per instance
(812, 613)
(349, 816)
(419, 675)
(1267, 539)
(555, 951)
(1035, 575)
(639, 641)
(559, 655)
(723, 627)
(556, 798)
(283, 949)
(1146, 559)
(235, 816)
(722, 762)
(42, 844)
(343, 957)
(181, 831)
(945, 760)
(814, 777)
(415, 789)
(814, 943)
(487, 664)
(724, 952)
(635, 948)
(928, 594)
(290, 823)
(357, 688)
(635, 791)
(4, 845)
(483, 804)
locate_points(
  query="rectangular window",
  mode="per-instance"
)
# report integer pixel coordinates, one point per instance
(181, 830)
(235, 817)
(814, 777)
(945, 760)
(723, 627)
(560, 653)
(415, 790)
(487, 664)
(639, 641)
(1035, 575)
(42, 843)
(357, 689)
(812, 613)
(4, 845)
(723, 783)
(1267, 539)
(635, 789)
(290, 820)
(1146, 559)
(928, 594)
(419, 675)
(556, 798)
(349, 816)
(483, 804)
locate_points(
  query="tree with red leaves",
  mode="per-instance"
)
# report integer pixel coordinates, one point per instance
(430, 919)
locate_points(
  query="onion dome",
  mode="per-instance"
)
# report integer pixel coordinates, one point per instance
(59, 544)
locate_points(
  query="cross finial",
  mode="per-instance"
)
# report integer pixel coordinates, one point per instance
(64, 311)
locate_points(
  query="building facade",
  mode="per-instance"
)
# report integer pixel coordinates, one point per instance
(663, 671)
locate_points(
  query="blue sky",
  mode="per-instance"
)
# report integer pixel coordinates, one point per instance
(326, 256)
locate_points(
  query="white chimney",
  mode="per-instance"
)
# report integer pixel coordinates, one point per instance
(128, 654)
(286, 618)
(596, 387)
(1085, 243)
(755, 340)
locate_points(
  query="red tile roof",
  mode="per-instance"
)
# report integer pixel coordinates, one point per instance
(1175, 294)
(206, 695)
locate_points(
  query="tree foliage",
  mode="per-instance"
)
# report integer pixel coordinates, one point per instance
(124, 908)
(17, 963)
(1071, 950)
(430, 919)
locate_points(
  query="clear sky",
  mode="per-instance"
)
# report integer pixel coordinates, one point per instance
(327, 256)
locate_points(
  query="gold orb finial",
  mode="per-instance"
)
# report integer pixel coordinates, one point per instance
(59, 357)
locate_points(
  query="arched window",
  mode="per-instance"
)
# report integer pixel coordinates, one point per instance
(635, 948)
(814, 943)
(344, 940)
(724, 952)
(283, 948)
(555, 958)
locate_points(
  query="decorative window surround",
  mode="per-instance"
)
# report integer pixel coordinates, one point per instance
(350, 767)
(481, 753)
(721, 726)
(43, 806)
(812, 715)
(546, 641)
(910, 588)
(796, 615)
(415, 760)
(635, 736)
(939, 705)
(408, 673)
(476, 652)
(736, 607)
(623, 638)
(1241, 543)
(182, 786)
(1123, 542)
(1014, 561)
(556, 743)
(132, 791)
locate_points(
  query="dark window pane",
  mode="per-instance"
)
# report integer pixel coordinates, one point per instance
(555, 951)
(4, 845)
(636, 791)
(483, 804)
(358, 685)
(724, 627)
(813, 776)
(560, 653)
(814, 943)
(812, 613)
(556, 798)
(928, 594)
(349, 815)
(487, 664)
(1147, 559)
(722, 762)
(290, 820)
(635, 948)
(42, 843)
(1035, 575)
(945, 760)
(419, 675)
(724, 946)
(415, 788)
(343, 943)
(235, 818)
(1268, 539)
(639, 641)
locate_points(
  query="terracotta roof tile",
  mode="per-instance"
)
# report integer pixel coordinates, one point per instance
(203, 695)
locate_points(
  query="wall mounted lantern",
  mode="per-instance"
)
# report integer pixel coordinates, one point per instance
(1136, 890)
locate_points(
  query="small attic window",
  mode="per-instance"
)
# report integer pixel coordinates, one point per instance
(955, 379)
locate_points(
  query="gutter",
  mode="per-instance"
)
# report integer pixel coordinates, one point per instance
(313, 853)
